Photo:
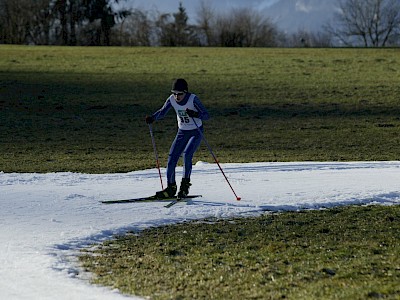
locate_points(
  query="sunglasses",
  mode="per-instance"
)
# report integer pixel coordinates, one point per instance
(178, 94)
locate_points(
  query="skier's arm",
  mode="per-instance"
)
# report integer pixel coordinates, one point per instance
(202, 111)
(159, 114)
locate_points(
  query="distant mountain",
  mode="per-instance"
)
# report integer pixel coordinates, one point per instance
(294, 15)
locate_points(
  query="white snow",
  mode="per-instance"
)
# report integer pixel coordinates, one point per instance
(46, 218)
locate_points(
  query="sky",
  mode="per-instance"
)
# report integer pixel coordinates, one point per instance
(45, 219)
(191, 6)
(288, 15)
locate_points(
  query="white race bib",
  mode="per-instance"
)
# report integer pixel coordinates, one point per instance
(184, 121)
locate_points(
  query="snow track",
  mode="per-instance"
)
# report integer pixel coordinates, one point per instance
(46, 218)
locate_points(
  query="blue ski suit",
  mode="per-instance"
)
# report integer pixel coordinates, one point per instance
(188, 137)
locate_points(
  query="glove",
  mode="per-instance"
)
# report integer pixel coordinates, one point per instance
(149, 119)
(192, 113)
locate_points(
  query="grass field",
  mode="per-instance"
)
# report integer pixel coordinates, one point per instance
(341, 253)
(82, 109)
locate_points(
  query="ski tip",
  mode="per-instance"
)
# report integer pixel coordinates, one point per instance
(171, 204)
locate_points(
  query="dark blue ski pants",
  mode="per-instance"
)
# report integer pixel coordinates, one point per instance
(185, 143)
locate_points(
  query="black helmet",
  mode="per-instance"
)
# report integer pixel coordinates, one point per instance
(179, 85)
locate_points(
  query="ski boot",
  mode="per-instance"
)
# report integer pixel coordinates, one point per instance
(184, 189)
(168, 192)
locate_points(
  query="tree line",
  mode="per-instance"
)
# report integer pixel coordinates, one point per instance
(369, 23)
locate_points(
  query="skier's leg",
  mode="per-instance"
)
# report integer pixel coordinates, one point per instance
(188, 153)
(193, 144)
(175, 152)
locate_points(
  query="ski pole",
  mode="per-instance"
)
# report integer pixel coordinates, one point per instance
(156, 154)
(215, 159)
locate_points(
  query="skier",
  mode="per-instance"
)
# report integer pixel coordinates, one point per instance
(189, 112)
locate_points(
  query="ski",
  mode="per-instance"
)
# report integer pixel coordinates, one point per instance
(177, 200)
(145, 199)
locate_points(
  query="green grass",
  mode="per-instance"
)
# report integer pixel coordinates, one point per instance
(82, 109)
(339, 253)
